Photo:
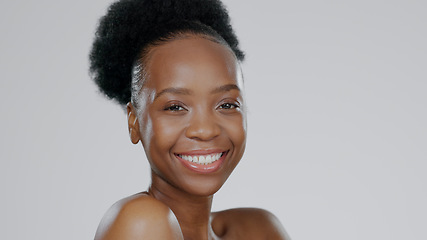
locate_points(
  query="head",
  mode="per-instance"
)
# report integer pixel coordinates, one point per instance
(175, 66)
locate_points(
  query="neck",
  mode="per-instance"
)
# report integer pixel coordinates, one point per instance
(193, 212)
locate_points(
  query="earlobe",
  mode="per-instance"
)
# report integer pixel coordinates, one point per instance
(133, 124)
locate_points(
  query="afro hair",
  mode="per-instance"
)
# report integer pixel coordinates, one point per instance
(131, 25)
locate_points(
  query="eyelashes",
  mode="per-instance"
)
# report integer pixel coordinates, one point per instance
(174, 108)
(229, 106)
(178, 107)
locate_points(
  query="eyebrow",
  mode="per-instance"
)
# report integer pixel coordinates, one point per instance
(226, 88)
(186, 91)
(180, 91)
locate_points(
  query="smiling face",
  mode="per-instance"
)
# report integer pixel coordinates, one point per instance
(190, 117)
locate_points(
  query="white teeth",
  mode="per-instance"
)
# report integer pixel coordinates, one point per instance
(202, 159)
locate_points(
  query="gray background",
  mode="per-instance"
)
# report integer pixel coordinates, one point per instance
(337, 120)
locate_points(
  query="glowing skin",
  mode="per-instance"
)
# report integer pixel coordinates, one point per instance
(192, 124)
(192, 101)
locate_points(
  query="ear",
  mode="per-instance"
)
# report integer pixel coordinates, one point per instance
(133, 124)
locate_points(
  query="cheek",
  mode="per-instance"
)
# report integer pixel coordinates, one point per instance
(160, 135)
(236, 129)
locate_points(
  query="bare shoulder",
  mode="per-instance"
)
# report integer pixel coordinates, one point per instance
(249, 223)
(139, 217)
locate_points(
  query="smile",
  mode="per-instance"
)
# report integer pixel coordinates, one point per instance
(201, 159)
(202, 162)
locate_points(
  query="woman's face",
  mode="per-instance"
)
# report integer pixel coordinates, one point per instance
(191, 117)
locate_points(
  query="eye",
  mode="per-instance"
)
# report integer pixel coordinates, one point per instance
(228, 106)
(174, 108)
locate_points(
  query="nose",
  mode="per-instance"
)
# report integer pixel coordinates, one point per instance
(203, 127)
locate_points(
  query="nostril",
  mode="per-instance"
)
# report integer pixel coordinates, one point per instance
(203, 130)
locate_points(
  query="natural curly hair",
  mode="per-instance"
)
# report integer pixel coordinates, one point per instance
(132, 26)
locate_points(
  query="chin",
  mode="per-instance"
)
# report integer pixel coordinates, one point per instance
(205, 186)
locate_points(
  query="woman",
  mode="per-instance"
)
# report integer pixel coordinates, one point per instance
(175, 66)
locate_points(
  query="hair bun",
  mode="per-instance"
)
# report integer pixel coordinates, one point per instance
(129, 25)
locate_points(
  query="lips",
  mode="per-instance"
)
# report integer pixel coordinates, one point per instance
(202, 161)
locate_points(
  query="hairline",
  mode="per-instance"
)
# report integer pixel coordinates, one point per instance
(141, 64)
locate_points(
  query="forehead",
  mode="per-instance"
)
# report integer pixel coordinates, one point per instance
(194, 61)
